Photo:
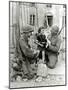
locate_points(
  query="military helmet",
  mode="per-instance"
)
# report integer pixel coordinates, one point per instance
(55, 29)
(26, 29)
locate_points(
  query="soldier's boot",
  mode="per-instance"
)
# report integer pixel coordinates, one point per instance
(28, 76)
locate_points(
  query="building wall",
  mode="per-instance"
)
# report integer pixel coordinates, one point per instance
(21, 13)
(12, 21)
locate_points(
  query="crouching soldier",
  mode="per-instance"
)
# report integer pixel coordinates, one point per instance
(53, 47)
(25, 53)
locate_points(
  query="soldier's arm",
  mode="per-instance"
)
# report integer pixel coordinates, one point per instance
(26, 50)
(56, 47)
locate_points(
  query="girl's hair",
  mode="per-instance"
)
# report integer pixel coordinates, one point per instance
(39, 30)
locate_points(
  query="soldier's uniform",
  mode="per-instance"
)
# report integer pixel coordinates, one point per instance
(25, 54)
(53, 48)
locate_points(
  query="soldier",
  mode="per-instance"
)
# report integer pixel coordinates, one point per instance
(25, 53)
(53, 47)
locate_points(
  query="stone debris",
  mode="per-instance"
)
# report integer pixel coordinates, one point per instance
(25, 79)
(19, 78)
(50, 80)
(53, 77)
(39, 79)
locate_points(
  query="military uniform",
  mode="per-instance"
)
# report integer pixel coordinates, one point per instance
(25, 54)
(53, 48)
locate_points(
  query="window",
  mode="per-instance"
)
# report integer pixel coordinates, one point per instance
(50, 20)
(32, 19)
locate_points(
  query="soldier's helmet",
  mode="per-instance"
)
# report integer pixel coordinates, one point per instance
(27, 29)
(55, 29)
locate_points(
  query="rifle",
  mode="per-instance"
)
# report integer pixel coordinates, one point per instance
(60, 31)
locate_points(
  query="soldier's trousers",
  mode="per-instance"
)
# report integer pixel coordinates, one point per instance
(27, 67)
(52, 60)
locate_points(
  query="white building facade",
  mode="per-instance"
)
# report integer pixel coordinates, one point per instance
(34, 14)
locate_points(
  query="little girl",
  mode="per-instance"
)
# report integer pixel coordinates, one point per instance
(41, 39)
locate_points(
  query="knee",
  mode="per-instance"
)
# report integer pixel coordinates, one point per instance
(51, 66)
(15, 66)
